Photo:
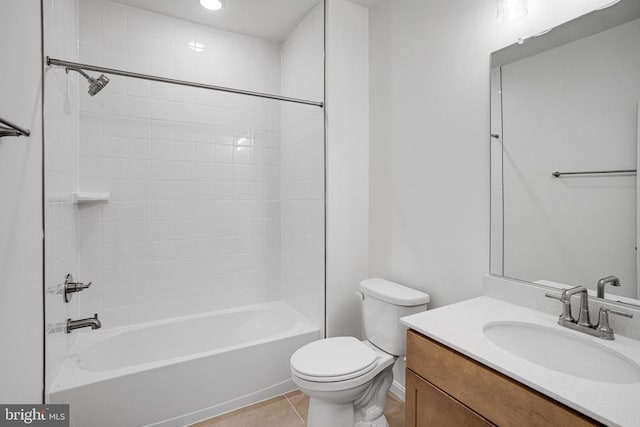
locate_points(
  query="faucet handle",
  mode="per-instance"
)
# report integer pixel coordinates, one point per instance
(566, 307)
(603, 326)
(71, 287)
(617, 313)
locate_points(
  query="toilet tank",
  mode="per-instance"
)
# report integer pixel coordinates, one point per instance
(383, 304)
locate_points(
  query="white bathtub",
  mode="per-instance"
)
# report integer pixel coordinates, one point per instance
(178, 371)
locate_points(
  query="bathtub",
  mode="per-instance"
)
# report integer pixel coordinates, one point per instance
(179, 371)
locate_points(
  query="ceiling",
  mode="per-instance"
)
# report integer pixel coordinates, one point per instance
(265, 19)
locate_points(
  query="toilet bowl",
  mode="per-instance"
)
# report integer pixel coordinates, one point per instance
(347, 380)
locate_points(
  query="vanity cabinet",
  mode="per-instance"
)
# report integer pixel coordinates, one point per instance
(446, 388)
(427, 405)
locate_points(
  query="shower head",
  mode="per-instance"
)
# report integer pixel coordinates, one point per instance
(95, 85)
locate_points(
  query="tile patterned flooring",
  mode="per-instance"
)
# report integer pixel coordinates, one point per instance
(288, 410)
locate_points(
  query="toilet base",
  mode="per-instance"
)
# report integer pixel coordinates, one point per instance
(361, 406)
(380, 422)
(329, 414)
(323, 413)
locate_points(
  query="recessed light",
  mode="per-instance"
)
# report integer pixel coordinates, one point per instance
(212, 4)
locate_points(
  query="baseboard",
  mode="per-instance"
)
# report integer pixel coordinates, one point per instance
(398, 390)
(214, 411)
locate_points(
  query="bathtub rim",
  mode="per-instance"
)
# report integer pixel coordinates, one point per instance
(73, 376)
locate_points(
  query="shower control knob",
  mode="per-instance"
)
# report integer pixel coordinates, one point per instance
(71, 287)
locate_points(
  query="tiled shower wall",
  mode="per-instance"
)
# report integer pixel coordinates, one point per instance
(303, 272)
(61, 171)
(193, 222)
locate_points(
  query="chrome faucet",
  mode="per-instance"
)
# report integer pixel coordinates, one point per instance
(90, 322)
(610, 280)
(583, 324)
(565, 299)
(583, 316)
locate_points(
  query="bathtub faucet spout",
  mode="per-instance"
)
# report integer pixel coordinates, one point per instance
(90, 322)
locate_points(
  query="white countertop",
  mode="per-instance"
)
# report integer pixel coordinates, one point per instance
(460, 327)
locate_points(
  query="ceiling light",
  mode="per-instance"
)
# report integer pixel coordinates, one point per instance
(511, 10)
(212, 4)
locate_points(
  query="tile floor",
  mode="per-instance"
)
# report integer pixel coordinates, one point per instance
(288, 410)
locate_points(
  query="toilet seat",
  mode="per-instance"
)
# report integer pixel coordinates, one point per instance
(333, 359)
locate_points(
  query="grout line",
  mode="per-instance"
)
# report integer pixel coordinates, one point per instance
(294, 409)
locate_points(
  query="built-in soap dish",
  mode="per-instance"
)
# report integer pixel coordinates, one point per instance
(83, 197)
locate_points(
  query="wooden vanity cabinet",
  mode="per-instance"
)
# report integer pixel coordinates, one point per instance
(445, 388)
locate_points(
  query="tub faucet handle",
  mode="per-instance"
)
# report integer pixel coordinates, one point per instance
(71, 287)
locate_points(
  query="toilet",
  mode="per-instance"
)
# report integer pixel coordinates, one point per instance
(347, 380)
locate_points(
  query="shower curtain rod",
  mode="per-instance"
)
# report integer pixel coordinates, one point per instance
(86, 67)
(12, 129)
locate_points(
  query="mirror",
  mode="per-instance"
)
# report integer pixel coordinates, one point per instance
(564, 137)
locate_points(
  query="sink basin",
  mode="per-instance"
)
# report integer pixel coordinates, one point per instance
(563, 352)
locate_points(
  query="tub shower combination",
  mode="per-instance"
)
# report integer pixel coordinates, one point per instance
(196, 209)
(183, 370)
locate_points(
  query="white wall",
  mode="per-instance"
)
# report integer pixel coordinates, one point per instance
(347, 165)
(347, 99)
(429, 180)
(193, 223)
(572, 108)
(21, 207)
(429, 137)
(303, 269)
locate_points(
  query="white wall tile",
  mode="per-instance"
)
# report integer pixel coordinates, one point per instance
(302, 268)
(177, 183)
(62, 129)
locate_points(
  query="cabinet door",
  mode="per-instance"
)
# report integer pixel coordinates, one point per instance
(428, 406)
(498, 398)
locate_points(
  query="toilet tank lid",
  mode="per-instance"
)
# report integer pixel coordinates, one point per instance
(393, 293)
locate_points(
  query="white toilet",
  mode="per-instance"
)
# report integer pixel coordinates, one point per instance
(347, 380)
